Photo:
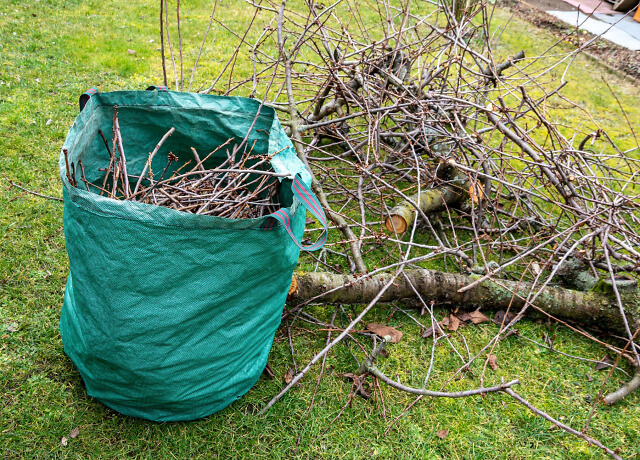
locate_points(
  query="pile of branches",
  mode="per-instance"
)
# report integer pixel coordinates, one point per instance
(242, 186)
(426, 146)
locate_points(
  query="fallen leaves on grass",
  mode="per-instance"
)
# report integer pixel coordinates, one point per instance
(604, 363)
(382, 330)
(359, 384)
(454, 321)
(465, 317)
(12, 327)
(492, 360)
(451, 322)
(74, 433)
(503, 317)
(288, 377)
(442, 433)
(477, 317)
(430, 331)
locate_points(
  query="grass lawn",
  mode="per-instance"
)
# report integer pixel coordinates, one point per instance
(53, 50)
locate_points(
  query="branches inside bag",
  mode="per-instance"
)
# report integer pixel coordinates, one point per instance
(242, 185)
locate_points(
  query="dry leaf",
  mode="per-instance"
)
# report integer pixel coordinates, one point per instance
(604, 363)
(359, 382)
(477, 317)
(64, 441)
(74, 433)
(501, 316)
(288, 377)
(493, 362)
(382, 330)
(13, 327)
(442, 433)
(430, 331)
(131, 51)
(464, 316)
(451, 322)
(350, 375)
(472, 194)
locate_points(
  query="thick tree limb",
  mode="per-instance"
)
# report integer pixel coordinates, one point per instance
(592, 308)
(431, 200)
(597, 308)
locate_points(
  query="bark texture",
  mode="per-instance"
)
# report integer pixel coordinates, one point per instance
(592, 308)
(428, 201)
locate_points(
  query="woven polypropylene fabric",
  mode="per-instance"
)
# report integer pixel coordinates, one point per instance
(170, 315)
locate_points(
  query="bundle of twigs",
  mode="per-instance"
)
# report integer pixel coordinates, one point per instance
(242, 186)
(411, 122)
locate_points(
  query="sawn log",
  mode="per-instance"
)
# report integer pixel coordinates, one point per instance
(594, 308)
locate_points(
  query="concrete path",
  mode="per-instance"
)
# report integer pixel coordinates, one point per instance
(614, 27)
(597, 17)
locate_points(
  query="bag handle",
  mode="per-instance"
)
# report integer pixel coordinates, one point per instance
(84, 97)
(311, 203)
(157, 88)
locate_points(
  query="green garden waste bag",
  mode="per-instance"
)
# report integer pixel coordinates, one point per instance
(170, 315)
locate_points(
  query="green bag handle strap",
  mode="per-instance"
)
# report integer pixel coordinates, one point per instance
(311, 203)
(84, 97)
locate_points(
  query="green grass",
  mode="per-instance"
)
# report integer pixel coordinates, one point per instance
(50, 52)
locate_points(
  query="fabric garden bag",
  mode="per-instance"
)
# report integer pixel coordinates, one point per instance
(170, 315)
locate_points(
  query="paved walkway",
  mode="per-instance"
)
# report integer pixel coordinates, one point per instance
(615, 27)
(597, 17)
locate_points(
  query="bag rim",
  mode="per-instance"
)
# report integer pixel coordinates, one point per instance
(154, 215)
